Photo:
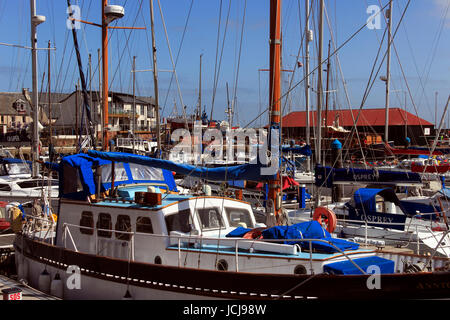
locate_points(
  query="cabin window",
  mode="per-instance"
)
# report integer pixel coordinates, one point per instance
(87, 220)
(144, 225)
(379, 204)
(140, 172)
(239, 216)
(5, 187)
(37, 183)
(123, 223)
(119, 173)
(210, 218)
(180, 221)
(104, 222)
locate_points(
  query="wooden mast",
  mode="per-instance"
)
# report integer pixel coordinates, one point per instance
(274, 96)
(105, 137)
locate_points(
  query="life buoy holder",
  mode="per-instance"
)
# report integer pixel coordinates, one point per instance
(325, 216)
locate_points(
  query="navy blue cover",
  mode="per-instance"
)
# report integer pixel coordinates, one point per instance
(240, 172)
(309, 230)
(238, 232)
(346, 267)
(363, 208)
(305, 150)
(85, 165)
(327, 176)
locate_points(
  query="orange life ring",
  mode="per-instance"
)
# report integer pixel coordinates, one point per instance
(326, 216)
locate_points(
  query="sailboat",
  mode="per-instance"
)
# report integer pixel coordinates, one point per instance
(123, 231)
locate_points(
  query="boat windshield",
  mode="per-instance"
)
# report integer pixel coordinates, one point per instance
(237, 217)
(17, 168)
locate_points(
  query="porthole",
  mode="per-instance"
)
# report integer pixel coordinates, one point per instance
(300, 269)
(222, 265)
(158, 260)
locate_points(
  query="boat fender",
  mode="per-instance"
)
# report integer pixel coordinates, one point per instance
(127, 296)
(326, 216)
(22, 268)
(57, 287)
(44, 281)
(16, 219)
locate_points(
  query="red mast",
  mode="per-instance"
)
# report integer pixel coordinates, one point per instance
(274, 95)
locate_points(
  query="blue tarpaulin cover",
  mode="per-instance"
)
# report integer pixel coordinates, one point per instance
(238, 232)
(346, 267)
(328, 176)
(305, 150)
(303, 230)
(85, 165)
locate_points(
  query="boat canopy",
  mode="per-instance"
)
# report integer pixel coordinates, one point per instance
(77, 175)
(366, 198)
(241, 172)
(328, 176)
(365, 206)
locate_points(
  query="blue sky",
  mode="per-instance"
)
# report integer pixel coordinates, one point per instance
(422, 45)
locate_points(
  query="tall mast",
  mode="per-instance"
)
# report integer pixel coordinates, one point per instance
(319, 88)
(199, 112)
(105, 77)
(133, 118)
(308, 38)
(49, 99)
(35, 21)
(388, 73)
(275, 94)
(155, 78)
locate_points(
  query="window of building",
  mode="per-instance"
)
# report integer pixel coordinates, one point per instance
(144, 225)
(210, 218)
(104, 222)
(123, 224)
(87, 220)
(180, 221)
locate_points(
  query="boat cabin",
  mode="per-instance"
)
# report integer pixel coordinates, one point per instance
(143, 218)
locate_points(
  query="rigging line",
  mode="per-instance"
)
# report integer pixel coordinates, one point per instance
(178, 55)
(297, 58)
(344, 85)
(413, 58)
(420, 80)
(216, 75)
(239, 61)
(392, 39)
(215, 65)
(404, 77)
(407, 85)
(433, 56)
(171, 59)
(331, 55)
